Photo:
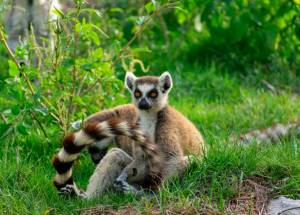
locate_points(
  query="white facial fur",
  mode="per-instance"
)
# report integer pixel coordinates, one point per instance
(162, 87)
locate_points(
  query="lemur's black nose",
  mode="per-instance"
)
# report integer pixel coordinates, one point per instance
(144, 105)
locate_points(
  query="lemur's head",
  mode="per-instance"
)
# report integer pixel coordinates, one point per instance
(149, 93)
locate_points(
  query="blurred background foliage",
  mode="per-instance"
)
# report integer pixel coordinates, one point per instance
(240, 34)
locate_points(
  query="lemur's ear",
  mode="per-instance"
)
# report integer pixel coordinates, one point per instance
(129, 80)
(165, 81)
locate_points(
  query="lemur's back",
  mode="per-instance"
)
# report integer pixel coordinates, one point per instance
(127, 112)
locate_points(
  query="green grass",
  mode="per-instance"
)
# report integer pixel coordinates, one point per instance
(220, 105)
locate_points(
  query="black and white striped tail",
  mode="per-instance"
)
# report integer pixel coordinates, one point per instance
(75, 142)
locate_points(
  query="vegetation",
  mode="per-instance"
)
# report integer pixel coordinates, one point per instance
(235, 66)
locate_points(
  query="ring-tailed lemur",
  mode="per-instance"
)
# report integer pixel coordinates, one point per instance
(273, 133)
(173, 135)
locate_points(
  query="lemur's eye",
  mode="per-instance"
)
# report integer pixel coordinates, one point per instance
(137, 94)
(152, 94)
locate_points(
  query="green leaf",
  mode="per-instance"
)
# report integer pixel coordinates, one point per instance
(16, 109)
(41, 110)
(4, 128)
(150, 7)
(94, 37)
(68, 62)
(13, 69)
(22, 128)
(116, 10)
(297, 2)
(7, 111)
(78, 100)
(58, 12)
(88, 66)
(98, 53)
(100, 30)
(141, 20)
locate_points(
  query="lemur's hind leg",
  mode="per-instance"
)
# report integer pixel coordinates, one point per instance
(106, 172)
(134, 172)
(176, 167)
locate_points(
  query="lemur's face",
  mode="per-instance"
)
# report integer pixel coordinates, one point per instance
(149, 93)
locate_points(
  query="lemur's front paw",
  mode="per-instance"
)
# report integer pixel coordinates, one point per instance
(124, 186)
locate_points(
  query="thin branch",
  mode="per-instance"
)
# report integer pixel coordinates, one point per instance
(164, 28)
(23, 73)
(78, 93)
(20, 68)
(39, 123)
(137, 34)
(3, 118)
(74, 79)
(270, 86)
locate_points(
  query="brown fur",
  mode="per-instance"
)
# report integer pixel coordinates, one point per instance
(147, 80)
(174, 127)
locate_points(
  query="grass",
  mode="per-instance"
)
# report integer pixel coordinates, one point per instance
(220, 104)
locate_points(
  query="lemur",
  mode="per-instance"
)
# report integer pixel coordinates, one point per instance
(165, 137)
(270, 134)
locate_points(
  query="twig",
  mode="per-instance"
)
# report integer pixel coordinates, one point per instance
(23, 73)
(78, 93)
(261, 212)
(74, 70)
(164, 29)
(269, 86)
(3, 118)
(39, 123)
(137, 33)
(20, 68)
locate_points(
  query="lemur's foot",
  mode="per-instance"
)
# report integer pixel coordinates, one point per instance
(71, 190)
(123, 186)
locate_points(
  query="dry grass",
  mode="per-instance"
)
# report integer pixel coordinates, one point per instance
(252, 197)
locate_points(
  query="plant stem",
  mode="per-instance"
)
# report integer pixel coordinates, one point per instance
(137, 33)
(23, 73)
(39, 123)
(12, 56)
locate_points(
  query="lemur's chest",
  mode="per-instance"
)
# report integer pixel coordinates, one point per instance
(148, 123)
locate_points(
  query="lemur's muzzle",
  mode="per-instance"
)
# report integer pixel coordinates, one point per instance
(144, 105)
